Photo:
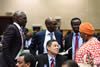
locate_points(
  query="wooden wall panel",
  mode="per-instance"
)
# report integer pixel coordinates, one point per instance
(4, 22)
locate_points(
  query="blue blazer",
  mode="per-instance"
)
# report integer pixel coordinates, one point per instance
(38, 41)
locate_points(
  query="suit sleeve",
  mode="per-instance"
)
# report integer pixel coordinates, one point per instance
(32, 47)
(61, 43)
(42, 60)
(67, 42)
(37, 61)
(59, 37)
(8, 37)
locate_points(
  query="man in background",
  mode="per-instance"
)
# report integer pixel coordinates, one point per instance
(13, 39)
(73, 40)
(28, 40)
(40, 39)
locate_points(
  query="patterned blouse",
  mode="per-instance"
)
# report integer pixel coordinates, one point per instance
(92, 49)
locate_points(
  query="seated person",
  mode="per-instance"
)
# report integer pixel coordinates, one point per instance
(52, 58)
(26, 60)
(70, 63)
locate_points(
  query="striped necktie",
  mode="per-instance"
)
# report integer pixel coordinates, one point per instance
(52, 62)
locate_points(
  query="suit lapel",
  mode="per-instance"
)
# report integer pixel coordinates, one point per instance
(46, 60)
(43, 36)
(57, 61)
(57, 36)
(18, 33)
(71, 38)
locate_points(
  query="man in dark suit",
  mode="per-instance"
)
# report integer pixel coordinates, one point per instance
(70, 39)
(52, 58)
(40, 38)
(13, 39)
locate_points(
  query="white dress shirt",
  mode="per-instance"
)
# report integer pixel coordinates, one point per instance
(47, 38)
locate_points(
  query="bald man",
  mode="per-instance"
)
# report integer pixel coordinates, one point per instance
(13, 39)
(40, 38)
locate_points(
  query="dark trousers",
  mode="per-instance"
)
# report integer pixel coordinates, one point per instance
(2, 61)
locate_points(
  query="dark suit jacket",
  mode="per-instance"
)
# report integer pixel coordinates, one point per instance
(68, 44)
(38, 40)
(43, 60)
(11, 44)
(98, 37)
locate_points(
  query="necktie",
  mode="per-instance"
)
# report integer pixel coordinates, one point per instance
(76, 43)
(22, 37)
(52, 62)
(51, 36)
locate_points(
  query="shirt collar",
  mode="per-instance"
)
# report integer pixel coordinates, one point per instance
(75, 33)
(18, 26)
(49, 57)
(47, 32)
